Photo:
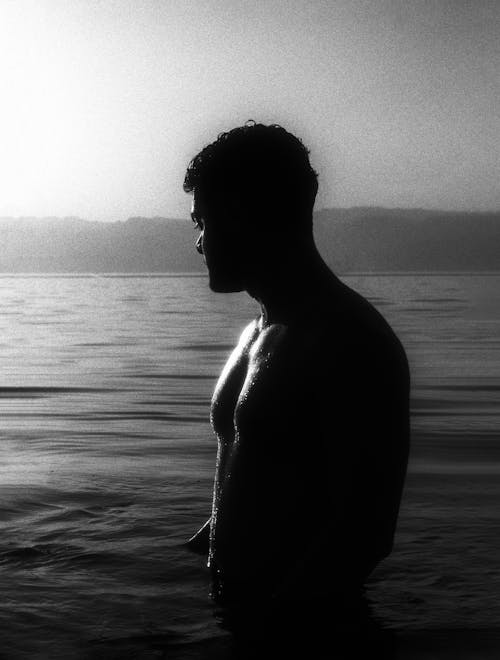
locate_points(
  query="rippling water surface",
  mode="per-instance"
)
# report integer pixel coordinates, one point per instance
(107, 458)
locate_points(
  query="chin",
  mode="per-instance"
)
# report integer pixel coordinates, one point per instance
(224, 284)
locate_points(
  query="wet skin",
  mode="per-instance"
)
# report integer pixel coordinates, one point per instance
(311, 417)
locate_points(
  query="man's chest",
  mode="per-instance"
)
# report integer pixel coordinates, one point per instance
(257, 388)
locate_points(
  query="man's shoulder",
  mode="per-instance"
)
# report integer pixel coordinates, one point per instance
(348, 329)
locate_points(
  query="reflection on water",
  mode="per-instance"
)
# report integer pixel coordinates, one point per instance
(107, 457)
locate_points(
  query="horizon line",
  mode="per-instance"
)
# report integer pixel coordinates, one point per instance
(419, 209)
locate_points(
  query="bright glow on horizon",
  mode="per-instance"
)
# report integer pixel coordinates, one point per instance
(105, 103)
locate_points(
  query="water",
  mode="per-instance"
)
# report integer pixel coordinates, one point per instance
(107, 458)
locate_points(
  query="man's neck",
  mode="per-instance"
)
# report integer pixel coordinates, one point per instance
(285, 289)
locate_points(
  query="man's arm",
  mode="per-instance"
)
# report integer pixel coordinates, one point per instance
(199, 542)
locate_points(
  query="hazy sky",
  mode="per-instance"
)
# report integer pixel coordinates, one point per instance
(104, 102)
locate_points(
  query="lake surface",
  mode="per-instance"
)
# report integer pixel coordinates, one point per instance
(107, 458)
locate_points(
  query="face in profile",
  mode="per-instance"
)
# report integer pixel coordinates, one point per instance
(222, 244)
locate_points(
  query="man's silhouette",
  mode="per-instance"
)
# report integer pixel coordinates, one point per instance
(311, 408)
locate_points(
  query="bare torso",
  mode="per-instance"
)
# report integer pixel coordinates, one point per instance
(311, 418)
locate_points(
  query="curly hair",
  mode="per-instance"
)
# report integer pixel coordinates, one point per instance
(256, 161)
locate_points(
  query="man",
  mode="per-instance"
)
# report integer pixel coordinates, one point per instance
(310, 410)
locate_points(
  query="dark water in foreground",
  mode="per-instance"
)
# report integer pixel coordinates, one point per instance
(107, 459)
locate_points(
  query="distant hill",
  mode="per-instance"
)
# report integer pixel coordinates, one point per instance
(355, 239)
(72, 245)
(378, 239)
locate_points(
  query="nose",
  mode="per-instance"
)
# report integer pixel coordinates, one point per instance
(199, 246)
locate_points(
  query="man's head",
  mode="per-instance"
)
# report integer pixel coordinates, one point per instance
(253, 193)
